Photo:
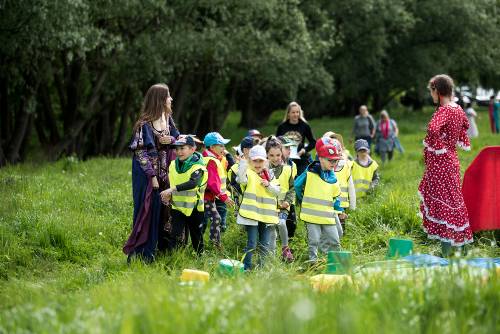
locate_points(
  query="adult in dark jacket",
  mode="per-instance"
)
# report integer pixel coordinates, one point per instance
(296, 128)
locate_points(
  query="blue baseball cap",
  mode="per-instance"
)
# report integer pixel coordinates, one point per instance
(184, 140)
(214, 138)
(247, 142)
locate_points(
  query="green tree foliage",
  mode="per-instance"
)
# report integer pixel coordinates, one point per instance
(73, 72)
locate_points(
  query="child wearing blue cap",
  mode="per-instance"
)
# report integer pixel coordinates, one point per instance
(216, 195)
(188, 177)
(364, 170)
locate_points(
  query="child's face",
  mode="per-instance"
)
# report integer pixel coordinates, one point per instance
(274, 156)
(184, 152)
(219, 149)
(362, 154)
(328, 164)
(286, 152)
(258, 165)
(246, 152)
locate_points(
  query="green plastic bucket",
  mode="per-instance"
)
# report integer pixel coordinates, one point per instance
(339, 262)
(230, 267)
(399, 248)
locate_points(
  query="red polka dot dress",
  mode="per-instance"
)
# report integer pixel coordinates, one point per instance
(442, 205)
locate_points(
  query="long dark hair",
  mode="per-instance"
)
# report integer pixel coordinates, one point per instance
(154, 105)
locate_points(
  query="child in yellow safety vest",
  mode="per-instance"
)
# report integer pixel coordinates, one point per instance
(291, 219)
(364, 169)
(259, 206)
(216, 196)
(188, 177)
(242, 152)
(283, 177)
(318, 190)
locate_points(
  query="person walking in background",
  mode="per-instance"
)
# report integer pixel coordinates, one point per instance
(364, 126)
(496, 115)
(364, 170)
(386, 132)
(153, 133)
(442, 204)
(471, 114)
(296, 128)
(492, 114)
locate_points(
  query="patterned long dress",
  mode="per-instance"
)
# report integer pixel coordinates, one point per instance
(150, 158)
(442, 205)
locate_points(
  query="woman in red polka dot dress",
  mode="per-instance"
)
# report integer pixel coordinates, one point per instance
(442, 205)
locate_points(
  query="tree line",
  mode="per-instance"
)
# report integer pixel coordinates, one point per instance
(73, 72)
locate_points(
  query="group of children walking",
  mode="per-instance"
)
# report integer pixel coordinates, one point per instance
(262, 185)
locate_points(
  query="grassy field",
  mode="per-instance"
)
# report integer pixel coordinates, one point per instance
(63, 224)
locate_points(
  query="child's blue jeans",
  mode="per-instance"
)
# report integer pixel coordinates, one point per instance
(257, 239)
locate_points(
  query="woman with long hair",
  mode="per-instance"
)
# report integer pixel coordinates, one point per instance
(296, 128)
(153, 133)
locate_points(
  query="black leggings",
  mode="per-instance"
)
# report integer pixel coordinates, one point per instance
(193, 223)
(291, 222)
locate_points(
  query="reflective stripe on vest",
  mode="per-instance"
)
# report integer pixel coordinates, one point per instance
(343, 180)
(258, 204)
(362, 177)
(317, 203)
(185, 201)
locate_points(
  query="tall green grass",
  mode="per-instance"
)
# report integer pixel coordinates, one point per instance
(62, 227)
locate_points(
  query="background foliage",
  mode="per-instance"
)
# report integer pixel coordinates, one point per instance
(73, 72)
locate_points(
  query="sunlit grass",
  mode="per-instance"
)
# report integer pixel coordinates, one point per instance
(62, 227)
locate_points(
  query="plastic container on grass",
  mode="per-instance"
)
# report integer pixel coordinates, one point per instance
(192, 275)
(399, 248)
(230, 267)
(339, 262)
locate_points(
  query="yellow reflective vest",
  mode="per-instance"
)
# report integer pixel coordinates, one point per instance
(317, 203)
(362, 177)
(343, 180)
(284, 182)
(221, 170)
(185, 201)
(258, 203)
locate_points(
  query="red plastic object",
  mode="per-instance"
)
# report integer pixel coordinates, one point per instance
(481, 190)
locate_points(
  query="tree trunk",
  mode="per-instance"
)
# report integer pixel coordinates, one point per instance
(72, 95)
(74, 132)
(20, 131)
(121, 137)
(4, 119)
(50, 122)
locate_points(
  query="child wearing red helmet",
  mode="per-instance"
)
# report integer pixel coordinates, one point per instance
(318, 191)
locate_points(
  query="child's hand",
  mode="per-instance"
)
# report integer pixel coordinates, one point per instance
(229, 202)
(265, 183)
(166, 195)
(155, 183)
(284, 205)
(343, 215)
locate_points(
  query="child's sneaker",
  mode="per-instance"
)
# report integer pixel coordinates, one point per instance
(287, 254)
